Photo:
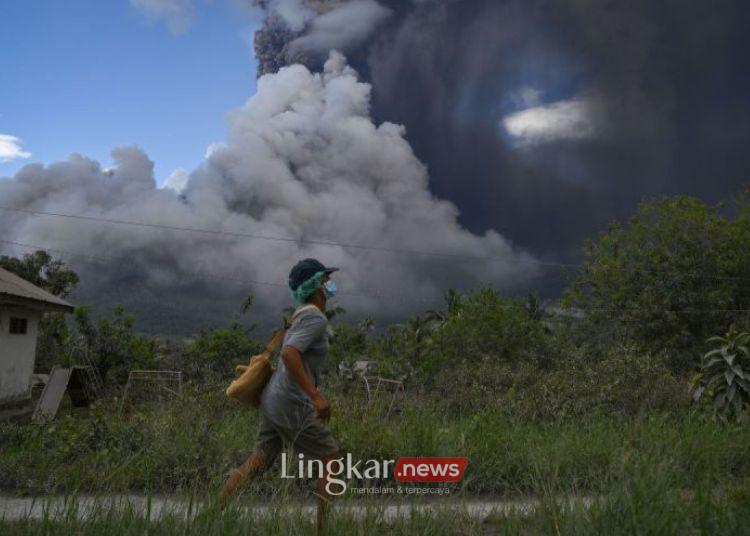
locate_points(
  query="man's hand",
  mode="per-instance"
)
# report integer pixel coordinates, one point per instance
(322, 406)
(292, 358)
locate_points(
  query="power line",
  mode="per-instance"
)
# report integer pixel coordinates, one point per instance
(95, 258)
(399, 298)
(235, 234)
(279, 238)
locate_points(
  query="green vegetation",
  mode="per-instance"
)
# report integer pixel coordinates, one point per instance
(193, 442)
(725, 375)
(595, 401)
(642, 493)
(677, 273)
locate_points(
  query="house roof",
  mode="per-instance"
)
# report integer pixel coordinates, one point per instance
(15, 289)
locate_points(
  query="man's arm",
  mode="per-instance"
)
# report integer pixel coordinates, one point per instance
(293, 361)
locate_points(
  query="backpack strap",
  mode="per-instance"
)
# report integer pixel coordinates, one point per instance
(301, 309)
(278, 335)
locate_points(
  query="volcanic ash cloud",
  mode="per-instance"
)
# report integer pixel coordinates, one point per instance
(302, 161)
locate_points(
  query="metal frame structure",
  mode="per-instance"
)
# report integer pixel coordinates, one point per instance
(80, 356)
(169, 381)
(396, 385)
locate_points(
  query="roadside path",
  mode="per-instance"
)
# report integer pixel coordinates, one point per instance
(19, 508)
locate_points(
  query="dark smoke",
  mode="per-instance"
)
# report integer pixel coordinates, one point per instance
(538, 121)
(665, 87)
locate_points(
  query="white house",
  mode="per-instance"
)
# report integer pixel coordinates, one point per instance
(21, 308)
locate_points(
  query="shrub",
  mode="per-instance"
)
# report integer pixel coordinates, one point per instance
(214, 354)
(669, 278)
(112, 344)
(486, 327)
(623, 381)
(724, 377)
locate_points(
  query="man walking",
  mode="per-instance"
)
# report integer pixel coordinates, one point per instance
(293, 411)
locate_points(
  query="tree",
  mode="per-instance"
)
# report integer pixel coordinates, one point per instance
(247, 303)
(53, 275)
(113, 345)
(676, 273)
(479, 326)
(43, 271)
(367, 324)
(214, 354)
(332, 312)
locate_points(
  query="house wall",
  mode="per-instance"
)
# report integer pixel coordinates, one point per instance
(17, 353)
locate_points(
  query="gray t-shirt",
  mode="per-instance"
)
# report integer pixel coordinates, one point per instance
(283, 402)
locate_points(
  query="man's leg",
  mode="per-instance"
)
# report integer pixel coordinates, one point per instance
(323, 496)
(269, 444)
(255, 464)
(315, 441)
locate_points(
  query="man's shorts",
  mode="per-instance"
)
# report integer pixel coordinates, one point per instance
(313, 438)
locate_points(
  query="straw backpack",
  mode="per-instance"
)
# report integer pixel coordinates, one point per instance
(248, 387)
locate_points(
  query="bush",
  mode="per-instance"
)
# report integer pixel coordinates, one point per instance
(668, 279)
(579, 385)
(725, 376)
(486, 326)
(114, 347)
(623, 382)
(477, 328)
(214, 354)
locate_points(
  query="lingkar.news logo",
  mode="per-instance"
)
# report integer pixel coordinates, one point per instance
(341, 470)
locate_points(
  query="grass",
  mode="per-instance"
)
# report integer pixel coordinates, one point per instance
(647, 474)
(654, 473)
(236, 522)
(192, 443)
(644, 496)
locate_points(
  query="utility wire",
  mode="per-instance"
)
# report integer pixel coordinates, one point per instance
(399, 298)
(350, 246)
(275, 238)
(200, 275)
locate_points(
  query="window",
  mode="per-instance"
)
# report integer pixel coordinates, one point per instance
(18, 326)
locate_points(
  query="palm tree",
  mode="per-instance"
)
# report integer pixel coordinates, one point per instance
(366, 324)
(247, 303)
(534, 307)
(334, 311)
(417, 329)
(435, 319)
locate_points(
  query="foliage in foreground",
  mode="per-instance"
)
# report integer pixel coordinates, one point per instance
(642, 494)
(196, 440)
(725, 376)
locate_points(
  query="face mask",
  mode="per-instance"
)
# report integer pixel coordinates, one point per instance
(329, 287)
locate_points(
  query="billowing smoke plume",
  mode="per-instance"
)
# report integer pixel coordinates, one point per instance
(305, 31)
(303, 163)
(547, 120)
(542, 120)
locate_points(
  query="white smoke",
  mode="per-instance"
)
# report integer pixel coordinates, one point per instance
(563, 120)
(295, 13)
(302, 161)
(343, 27)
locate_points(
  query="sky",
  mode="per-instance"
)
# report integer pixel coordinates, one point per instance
(86, 76)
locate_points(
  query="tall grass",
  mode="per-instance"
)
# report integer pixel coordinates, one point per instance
(193, 443)
(643, 496)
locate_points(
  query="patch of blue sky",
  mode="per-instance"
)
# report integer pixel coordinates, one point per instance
(86, 76)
